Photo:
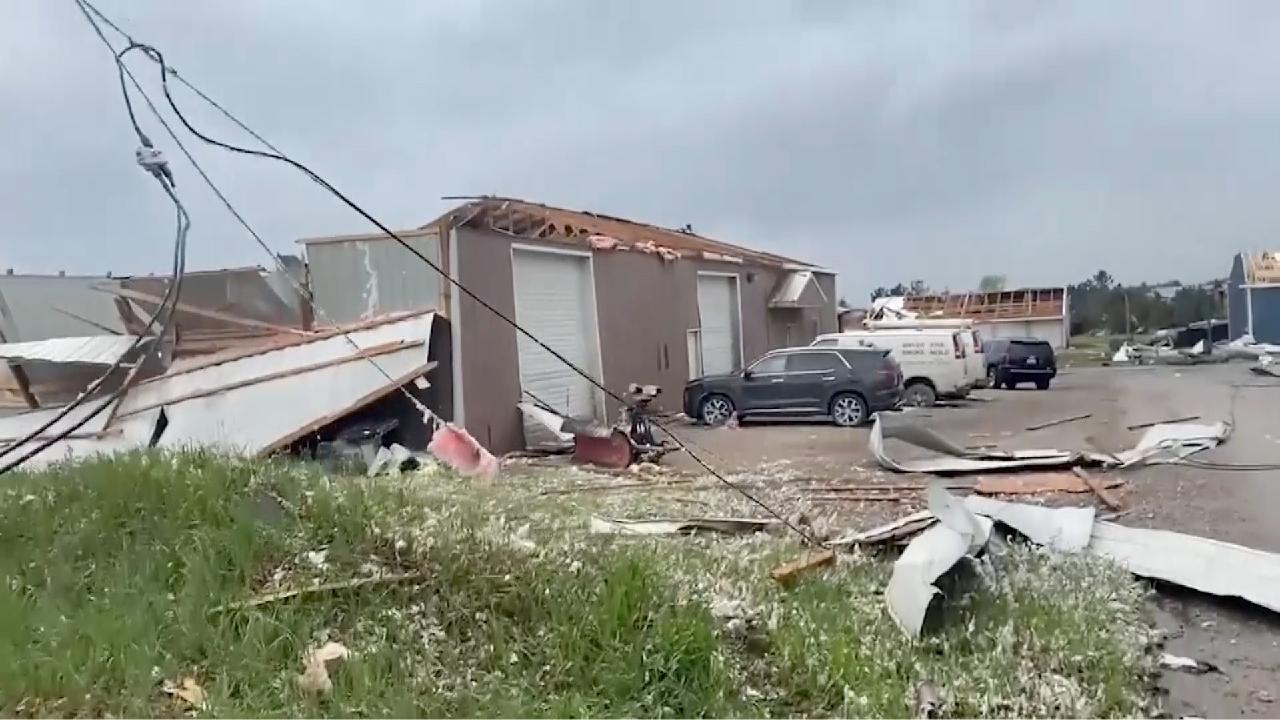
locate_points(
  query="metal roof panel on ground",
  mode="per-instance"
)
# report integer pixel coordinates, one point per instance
(263, 400)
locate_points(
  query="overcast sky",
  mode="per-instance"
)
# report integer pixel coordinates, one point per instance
(888, 141)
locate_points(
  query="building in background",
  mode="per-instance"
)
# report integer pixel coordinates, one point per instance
(625, 301)
(1253, 296)
(1043, 313)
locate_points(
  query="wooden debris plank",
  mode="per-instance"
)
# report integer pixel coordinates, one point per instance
(1106, 496)
(788, 572)
(1059, 421)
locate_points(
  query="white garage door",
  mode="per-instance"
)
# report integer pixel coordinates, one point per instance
(718, 314)
(555, 301)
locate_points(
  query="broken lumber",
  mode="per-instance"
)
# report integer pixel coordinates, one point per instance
(316, 590)
(1030, 484)
(787, 572)
(656, 484)
(875, 497)
(1107, 498)
(1141, 425)
(1059, 421)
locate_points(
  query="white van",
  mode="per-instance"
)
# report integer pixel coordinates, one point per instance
(975, 365)
(932, 359)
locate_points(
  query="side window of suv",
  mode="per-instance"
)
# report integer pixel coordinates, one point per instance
(770, 364)
(813, 362)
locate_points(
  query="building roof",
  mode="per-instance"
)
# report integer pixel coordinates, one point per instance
(39, 307)
(1020, 304)
(535, 221)
(1261, 268)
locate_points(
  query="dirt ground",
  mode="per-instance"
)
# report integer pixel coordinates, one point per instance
(1227, 505)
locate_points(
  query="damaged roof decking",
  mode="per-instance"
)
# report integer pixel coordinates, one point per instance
(534, 221)
(1021, 304)
(1262, 268)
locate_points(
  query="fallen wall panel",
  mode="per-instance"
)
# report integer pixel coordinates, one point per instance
(1210, 566)
(265, 400)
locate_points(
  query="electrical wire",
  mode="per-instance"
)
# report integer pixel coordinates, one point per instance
(168, 305)
(278, 156)
(155, 56)
(142, 338)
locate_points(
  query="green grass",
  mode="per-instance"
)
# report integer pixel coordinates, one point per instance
(113, 569)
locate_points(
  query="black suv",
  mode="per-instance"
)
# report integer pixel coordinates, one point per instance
(846, 385)
(1017, 360)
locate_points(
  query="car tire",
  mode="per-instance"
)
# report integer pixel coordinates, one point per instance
(993, 378)
(715, 410)
(1042, 384)
(919, 394)
(848, 410)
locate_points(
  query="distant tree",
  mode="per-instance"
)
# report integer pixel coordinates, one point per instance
(1192, 304)
(991, 283)
(918, 287)
(1102, 280)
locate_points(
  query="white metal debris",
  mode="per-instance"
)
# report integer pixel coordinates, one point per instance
(15, 427)
(725, 526)
(264, 400)
(131, 433)
(903, 527)
(955, 459)
(551, 421)
(1064, 529)
(89, 350)
(1210, 566)
(911, 591)
(1170, 442)
(1186, 664)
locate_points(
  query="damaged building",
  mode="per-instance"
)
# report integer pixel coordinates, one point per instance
(1041, 313)
(1253, 296)
(625, 301)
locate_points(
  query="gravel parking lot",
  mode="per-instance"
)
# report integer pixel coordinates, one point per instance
(1227, 505)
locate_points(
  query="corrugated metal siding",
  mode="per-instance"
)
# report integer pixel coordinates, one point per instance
(1266, 314)
(644, 307)
(1237, 300)
(353, 280)
(39, 307)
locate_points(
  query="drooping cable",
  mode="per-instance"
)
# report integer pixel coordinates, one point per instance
(278, 156)
(154, 55)
(165, 311)
(143, 336)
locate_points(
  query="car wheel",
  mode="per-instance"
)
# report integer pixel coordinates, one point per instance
(848, 410)
(1042, 384)
(715, 410)
(993, 378)
(919, 395)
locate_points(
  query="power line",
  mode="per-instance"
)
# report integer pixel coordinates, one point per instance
(275, 155)
(155, 56)
(170, 297)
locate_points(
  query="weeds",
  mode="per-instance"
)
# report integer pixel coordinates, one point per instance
(114, 570)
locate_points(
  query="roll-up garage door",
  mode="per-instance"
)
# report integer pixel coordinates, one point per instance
(555, 301)
(718, 315)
